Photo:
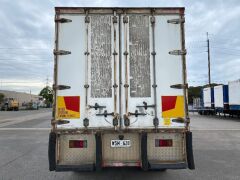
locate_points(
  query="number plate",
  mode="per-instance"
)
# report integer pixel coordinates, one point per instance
(120, 143)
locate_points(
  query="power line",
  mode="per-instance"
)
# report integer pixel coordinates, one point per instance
(220, 52)
(26, 60)
(197, 52)
(11, 48)
(17, 82)
(230, 49)
(27, 54)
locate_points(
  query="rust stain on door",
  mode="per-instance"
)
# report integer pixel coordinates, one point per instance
(140, 82)
(101, 57)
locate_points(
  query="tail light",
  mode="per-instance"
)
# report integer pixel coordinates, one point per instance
(163, 143)
(77, 143)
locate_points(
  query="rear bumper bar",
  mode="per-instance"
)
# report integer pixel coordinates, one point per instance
(155, 166)
(85, 167)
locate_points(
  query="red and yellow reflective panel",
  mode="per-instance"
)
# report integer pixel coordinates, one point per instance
(68, 107)
(172, 106)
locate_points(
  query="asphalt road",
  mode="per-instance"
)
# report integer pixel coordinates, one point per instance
(24, 139)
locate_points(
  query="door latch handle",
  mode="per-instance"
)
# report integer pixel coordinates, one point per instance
(145, 105)
(105, 114)
(97, 106)
(136, 114)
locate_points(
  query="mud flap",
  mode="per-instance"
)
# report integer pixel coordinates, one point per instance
(52, 151)
(98, 165)
(190, 158)
(145, 164)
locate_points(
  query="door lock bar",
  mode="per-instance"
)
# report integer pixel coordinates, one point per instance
(97, 106)
(145, 105)
(136, 114)
(105, 114)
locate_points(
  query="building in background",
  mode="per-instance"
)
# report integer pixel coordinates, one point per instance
(23, 98)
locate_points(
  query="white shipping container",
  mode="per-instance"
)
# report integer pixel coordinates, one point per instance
(234, 92)
(207, 102)
(218, 96)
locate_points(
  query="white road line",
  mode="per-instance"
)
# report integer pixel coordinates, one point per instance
(25, 129)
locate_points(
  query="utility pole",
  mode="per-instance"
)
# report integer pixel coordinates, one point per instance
(209, 65)
(47, 81)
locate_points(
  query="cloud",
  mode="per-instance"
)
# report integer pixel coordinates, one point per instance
(27, 38)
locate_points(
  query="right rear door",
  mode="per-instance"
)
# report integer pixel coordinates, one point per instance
(139, 42)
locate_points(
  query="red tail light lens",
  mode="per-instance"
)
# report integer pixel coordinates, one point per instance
(163, 142)
(77, 143)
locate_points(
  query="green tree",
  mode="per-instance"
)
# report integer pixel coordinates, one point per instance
(193, 92)
(47, 94)
(1, 97)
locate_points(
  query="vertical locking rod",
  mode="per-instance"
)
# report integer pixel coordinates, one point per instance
(155, 120)
(87, 53)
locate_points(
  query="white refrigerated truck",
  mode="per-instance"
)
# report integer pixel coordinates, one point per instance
(120, 90)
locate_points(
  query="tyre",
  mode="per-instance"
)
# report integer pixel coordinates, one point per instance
(52, 151)
(190, 158)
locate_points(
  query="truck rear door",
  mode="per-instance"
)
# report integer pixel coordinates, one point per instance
(102, 82)
(152, 66)
(87, 70)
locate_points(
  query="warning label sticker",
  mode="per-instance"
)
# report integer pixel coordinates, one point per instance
(68, 107)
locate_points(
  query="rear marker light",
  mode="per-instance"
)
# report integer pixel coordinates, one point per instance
(163, 143)
(77, 143)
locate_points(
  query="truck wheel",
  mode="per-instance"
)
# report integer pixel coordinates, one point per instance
(190, 158)
(52, 151)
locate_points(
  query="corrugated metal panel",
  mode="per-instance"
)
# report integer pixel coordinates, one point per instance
(121, 154)
(174, 153)
(101, 66)
(76, 156)
(139, 56)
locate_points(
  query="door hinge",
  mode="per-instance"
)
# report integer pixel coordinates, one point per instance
(61, 52)
(114, 19)
(179, 86)
(60, 122)
(63, 20)
(176, 21)
(178, 120)
(125, 19)
(178, 52)
(61, 87)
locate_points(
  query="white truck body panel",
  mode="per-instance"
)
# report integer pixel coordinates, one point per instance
(218, 96)
(234, 92)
